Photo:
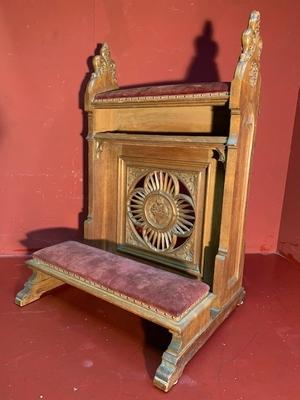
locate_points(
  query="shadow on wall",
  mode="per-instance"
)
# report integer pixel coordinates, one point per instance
(289, 234)
(202, 68)
(46, 237)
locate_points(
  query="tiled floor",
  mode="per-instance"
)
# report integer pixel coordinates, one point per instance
(69, 345)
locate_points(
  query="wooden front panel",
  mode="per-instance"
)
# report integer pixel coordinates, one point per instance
(158, 204)
(204, 118)
(156, 200)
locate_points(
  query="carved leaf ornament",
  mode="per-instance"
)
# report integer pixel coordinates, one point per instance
(163, 216)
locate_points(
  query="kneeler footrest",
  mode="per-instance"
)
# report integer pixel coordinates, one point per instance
(173, 301)
(167, 294)
(182, 305)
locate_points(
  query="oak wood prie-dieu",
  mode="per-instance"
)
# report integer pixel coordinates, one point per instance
(168, 180)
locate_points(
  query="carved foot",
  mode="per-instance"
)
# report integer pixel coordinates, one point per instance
(241, 298)
(167, 375)
(36, 285)
(171, 367)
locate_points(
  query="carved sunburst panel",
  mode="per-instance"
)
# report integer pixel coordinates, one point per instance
(160, 211)
(158, 204)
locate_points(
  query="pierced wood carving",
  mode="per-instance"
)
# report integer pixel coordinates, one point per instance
(159, 212)
(158, 204)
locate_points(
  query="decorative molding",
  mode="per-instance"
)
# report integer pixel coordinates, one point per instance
(169, 97)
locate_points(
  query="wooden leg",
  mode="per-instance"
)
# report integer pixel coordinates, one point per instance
(185, 345)
(36, 285)
(171, 367)
(180, 351)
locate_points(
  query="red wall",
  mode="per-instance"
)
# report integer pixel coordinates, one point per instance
(44, 47)
(289, 234)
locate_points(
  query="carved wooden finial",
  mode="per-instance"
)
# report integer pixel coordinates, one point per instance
(251, 40)
(104, 76)
(248, 68)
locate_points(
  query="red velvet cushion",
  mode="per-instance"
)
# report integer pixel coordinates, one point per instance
(168, 292)
(180, 90)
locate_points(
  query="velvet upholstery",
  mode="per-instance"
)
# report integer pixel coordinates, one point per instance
(165, 90)
(168, 292)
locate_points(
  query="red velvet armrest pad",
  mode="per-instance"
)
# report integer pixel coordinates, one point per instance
(166, 90)
(170, 293)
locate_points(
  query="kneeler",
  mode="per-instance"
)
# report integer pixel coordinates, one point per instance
(168, 178)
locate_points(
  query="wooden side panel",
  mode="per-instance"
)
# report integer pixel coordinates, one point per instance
(244, 102)
(100, 226)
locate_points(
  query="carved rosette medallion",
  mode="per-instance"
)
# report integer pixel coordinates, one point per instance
(161, 211)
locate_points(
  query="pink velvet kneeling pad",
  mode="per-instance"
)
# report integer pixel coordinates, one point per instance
(166, 291)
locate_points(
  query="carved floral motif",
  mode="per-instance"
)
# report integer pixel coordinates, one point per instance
(133, 174)
(253, 74)
(190, 181)
(186, 251)
(104, 76)
(103, 63)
